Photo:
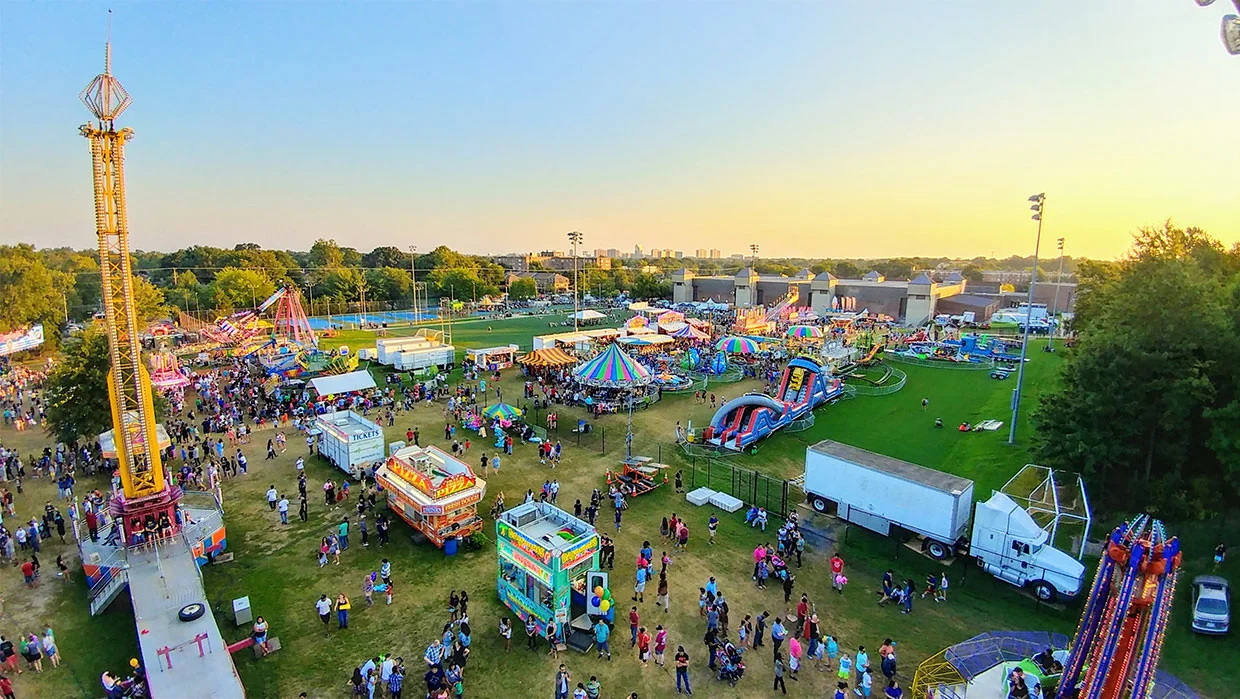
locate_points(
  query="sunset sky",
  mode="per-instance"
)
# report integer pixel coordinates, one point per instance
(823, 129)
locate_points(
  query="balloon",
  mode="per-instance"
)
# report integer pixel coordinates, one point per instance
(598, 591)
(595, 601)
(604, 606)
(607, 595)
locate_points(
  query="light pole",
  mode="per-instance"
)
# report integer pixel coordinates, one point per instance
(413, 276)
(575, 237)
(1039, 204)
(1058, 283)
(310, 293)
(753, 248)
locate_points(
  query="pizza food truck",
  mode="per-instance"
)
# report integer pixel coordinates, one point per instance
(436, 493)
(548, 569)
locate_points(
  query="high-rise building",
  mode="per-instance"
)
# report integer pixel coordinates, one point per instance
(701, 253)
(679, 254)
(637, 251)
(715, 254)
(613, 253)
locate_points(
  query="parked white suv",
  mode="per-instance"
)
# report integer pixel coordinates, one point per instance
(1211, 604)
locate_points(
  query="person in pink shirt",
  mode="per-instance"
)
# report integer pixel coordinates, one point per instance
(759, 554)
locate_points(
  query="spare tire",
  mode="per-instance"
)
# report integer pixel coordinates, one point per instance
(191, 612)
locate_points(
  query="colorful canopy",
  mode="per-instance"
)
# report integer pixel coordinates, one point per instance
(613, 369)
(636, 322)
(688, 332)
(737, 345)
(804, 331)
(548, 357)
(502, 411)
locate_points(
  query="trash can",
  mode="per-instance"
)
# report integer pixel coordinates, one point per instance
(449, 546)
(241, 611)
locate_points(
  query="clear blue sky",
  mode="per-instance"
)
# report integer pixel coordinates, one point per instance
(823, 129)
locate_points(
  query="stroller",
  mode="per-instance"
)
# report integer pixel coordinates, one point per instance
(731, 667)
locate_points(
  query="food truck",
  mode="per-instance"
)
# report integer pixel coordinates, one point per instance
(349, 441)
(436, 493)
(548, 569)
(493, 358)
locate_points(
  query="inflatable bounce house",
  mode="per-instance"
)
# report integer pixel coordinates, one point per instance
(743, 421)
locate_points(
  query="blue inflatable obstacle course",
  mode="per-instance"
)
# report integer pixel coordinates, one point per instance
(742, 421)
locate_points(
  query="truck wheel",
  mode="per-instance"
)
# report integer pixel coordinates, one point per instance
(819, 504)
(937, 550)
(1043, 590)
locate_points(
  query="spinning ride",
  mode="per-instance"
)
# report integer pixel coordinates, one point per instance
(1119, 640)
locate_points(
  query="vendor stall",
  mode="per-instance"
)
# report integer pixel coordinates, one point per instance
(349, 441)
(548, 569)
(492, 358)
(434, 492)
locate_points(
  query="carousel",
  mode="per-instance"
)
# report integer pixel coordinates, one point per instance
(614, 381)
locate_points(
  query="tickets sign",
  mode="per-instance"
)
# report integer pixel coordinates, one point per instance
(523, 542)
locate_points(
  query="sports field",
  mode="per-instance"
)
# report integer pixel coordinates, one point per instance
(276, 567)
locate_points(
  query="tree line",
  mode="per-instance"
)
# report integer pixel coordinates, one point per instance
(1148, 408)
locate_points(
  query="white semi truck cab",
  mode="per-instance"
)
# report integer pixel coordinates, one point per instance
(1009, 545)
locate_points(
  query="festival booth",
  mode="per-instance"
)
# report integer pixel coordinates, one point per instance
(436, 493)
(492, 358)
(349, 441)
(546, 359)
(578, 340)
(548, 569)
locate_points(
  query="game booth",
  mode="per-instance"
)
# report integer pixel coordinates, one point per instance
(548, 569)
(436, 493)
(493, 358)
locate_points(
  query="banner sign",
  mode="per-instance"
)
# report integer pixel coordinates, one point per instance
(21, 339)
(524, 543)
(579, 552)
(526, 563)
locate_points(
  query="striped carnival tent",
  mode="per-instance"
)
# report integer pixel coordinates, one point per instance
(547, 358)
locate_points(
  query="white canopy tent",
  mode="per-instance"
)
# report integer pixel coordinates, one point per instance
(588, 314)
(359, 380)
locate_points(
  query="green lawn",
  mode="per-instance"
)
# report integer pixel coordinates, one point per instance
(276, 565)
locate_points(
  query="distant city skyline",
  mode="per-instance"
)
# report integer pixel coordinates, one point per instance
(814, 129)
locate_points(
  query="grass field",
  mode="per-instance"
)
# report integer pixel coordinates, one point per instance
(275, 565)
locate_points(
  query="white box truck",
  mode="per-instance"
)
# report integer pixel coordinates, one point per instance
(881, 494)
(878, 492)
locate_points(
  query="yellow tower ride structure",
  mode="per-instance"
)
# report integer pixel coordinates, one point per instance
(147, 501)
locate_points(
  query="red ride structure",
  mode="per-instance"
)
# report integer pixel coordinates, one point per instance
(1119, 640)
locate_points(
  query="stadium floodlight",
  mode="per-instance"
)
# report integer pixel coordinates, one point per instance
(1231, 33)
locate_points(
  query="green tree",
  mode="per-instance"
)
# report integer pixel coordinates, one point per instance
(185, 293)
(148, 301)
(1147, 409)
(648, 286)
(388, 284)
(972, 274)
(522, 289)
(386, 256)
(32, 293)
(240, 288)
(77, 388)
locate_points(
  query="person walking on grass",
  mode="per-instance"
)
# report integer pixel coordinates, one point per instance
(779, 674)
(324, 608)
(282, 508)
(272, 497)
(505, 632)
(343, 605)
(661, 599)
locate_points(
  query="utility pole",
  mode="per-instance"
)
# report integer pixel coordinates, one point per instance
(753, 248)
(1055, 304)
(413, 276)
(575, 237)
(1037, 208)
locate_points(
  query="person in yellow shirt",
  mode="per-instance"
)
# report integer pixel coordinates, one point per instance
(342, 610)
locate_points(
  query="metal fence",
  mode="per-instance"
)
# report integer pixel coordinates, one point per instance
(747, 485)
